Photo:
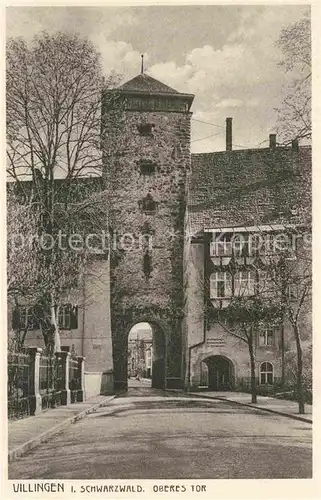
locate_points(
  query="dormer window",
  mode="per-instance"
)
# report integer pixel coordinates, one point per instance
(146, 128)
(147, 167)
(148, 205)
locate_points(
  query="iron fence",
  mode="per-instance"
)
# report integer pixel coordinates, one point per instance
(37, 380)
(50, 381)
(74, 379)
(18, 384)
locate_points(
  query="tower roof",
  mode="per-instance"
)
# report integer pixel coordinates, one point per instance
(145, 83)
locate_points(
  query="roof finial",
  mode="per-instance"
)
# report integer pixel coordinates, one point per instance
(142, 68)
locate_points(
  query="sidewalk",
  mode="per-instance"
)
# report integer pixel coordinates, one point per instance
(25, 434)
(272, 405)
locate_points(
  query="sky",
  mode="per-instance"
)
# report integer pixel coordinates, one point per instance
(225, 55)
(141, 331)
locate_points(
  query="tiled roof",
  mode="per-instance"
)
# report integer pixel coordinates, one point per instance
(145, 83)
(249, 187)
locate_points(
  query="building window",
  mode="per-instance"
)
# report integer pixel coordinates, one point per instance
(64, 317)
(146, 128)
(222, 246)
(24, 318)
(266, 336)
(221, 285)
(244, 283)
(148, 205)
(266, 373)
(147, 167)
(27, 318)
(68, 317)
(242, 246)
(147, 265)
(266, 246)
(267, 283)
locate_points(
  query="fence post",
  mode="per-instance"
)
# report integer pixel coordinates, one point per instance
(65, 396)
(34, 387)
(81, 388)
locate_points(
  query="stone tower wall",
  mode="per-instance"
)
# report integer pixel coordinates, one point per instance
(135, 297)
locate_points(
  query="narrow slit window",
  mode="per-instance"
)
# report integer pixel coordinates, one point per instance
(146, 128)
(148, 205)
(147, 167)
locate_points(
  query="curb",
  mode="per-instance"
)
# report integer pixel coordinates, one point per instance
(249, 405)
(269, 410)
(32, 443)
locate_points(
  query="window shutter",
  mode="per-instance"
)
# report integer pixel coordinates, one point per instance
(16, 319)
(73, 317)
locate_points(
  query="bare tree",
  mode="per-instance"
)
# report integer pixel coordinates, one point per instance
(277, 289)
(294, 116)
(54, 90)
(292, 277)
(249, 309)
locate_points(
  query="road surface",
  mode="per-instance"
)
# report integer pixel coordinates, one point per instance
(150, 434)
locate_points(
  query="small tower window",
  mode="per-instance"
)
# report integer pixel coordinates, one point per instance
(148, 205)
(147, 167)
(147, 265)
(146, 128)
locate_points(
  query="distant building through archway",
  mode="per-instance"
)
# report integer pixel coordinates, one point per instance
(146, 355)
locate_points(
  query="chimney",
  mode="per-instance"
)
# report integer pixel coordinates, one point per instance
(229, 134)
(295, 145)
(273, 141)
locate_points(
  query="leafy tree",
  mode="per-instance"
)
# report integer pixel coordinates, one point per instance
(294, 115)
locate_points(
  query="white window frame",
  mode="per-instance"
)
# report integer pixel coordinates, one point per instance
(64, 317)
(264, 332)
(267, 282)
(221, 246)
(266, 373)
(26, 314)
(221, 277)
(268, 245)
(245, 239)
(244, 283)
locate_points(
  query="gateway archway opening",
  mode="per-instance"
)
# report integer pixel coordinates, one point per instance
(217, 373)
(146, 356)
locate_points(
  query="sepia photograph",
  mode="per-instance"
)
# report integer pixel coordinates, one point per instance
(159, 246)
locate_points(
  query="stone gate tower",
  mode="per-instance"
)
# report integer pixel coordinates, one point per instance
(146, 147)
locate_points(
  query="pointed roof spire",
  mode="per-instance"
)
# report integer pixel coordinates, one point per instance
(142, 67)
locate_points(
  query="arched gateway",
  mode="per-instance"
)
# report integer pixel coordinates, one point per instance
(221, 374)
(146, 148)
(147, 354)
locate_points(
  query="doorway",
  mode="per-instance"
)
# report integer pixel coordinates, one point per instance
(220, 373)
